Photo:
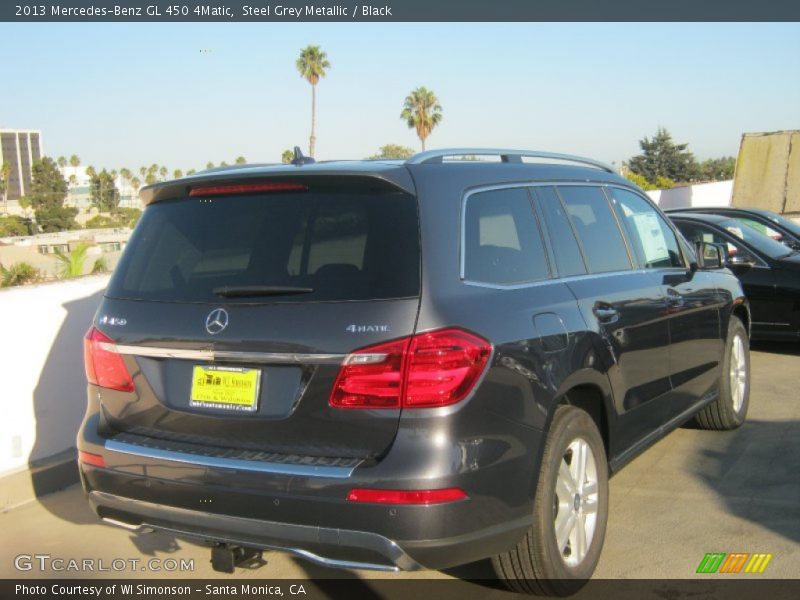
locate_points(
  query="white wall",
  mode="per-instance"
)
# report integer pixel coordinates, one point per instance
(717, 193)
(41, 367)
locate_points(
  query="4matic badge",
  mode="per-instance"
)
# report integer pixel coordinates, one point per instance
(367, 328)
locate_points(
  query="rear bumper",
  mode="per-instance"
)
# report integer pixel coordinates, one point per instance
(317, 544)
(303, 509)
(339, 535)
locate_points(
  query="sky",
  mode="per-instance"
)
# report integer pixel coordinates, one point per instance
(127, 95)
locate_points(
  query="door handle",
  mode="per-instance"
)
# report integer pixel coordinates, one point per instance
(605, 312)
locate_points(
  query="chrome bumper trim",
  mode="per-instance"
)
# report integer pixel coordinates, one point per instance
(281, 358)
(292, 469)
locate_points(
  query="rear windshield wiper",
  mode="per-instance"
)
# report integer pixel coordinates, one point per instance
(245, 291)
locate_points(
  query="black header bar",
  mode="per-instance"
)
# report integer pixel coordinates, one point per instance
(292, 11)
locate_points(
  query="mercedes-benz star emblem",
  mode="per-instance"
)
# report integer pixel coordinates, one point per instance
(216, 321)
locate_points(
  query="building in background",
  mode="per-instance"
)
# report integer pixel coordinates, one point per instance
(20, 148)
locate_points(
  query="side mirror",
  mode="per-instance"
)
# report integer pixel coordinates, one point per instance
(740, 264)
(710, 256)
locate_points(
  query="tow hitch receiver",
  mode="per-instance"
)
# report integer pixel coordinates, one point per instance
(225, 557)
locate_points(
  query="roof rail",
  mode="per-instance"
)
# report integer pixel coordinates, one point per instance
(506, 155)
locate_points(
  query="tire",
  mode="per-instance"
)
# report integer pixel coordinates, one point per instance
(538, 565)
(729, 410)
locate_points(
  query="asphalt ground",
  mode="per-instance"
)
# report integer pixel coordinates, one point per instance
(692, 493)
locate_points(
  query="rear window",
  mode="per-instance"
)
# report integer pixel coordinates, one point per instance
(278, 247)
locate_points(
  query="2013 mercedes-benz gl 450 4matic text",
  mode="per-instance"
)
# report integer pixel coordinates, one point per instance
(402, 365)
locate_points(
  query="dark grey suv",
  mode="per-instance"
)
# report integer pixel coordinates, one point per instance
(402, 365)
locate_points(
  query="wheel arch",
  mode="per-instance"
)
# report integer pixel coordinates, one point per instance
(741, 309)
(590, 391)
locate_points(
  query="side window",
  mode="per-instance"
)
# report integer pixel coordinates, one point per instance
(503, 244)
(762, 228)
(652, 239)
(566, 251)
(597, 229)
(699, 233)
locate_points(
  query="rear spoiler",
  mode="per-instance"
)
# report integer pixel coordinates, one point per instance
(379, 175)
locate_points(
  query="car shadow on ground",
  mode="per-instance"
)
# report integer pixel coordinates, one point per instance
(788, 348)
(753, 470)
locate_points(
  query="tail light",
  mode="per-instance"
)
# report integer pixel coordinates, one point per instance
(246, 188)
(432, 369)
(88, 458)
(104, 365)
(376, 496)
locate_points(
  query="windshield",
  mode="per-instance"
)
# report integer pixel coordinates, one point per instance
(756, 239)
(314, 245)
(787, 224)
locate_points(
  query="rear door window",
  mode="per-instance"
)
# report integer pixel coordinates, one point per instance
(566, 252)
(337, 244)
(596, 227)
(653, 241)
(502, 240)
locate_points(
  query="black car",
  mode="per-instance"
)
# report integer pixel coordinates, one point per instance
(769, 270)
(771, 224)
(402, 365)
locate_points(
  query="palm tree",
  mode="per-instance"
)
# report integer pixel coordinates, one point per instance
(74, 161)
(61, 162)
(90, 171)
(422, 112)
(311, 65)
(177, 174)
(163, 172)
(209, 165)
(241, 160)
(5, 174)
(191, 172)
(71, 265)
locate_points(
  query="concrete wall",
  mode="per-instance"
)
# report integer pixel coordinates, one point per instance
(717, 193)
(41, 367)
(768, 171)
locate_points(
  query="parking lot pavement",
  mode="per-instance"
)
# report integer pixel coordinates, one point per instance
(694, 492)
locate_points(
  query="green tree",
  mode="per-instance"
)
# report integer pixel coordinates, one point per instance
(61, 162)
(661, 183)
(191, 172)
(127, 217)
(392, 151)
(422, 111)
(47, 194)
(661, 157)
(71, 264)
(177, 174)
(312, 65)
(25, 205)
(101, 222)
(74, 161)
(717, 169)
(18, 274)
(163, 172)
(209, 165)
(287, 157)
(241, 160)
(13, 225)
(104, 192)
(5, 176)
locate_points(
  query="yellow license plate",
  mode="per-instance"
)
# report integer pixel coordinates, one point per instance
(225, 388)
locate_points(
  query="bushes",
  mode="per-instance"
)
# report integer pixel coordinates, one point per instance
(18, 274)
